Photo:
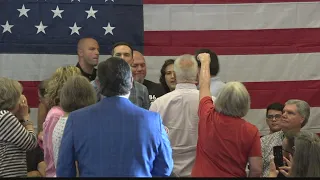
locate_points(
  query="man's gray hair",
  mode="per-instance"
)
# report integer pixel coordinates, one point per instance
(186, 68)
(303, 109)
(233, 100)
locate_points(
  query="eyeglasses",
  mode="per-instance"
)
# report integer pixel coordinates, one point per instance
(276, 116)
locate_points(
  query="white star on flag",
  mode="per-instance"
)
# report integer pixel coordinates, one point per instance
(75, 29)
(91, 13)
(107, 0)
(57, 12)
(108, 29)
(41, 28)
(23, 11)
(73, 0)
(7, 27)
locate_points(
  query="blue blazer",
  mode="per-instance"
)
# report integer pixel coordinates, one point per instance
(114, 138)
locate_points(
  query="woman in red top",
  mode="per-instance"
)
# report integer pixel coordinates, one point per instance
(226, 142)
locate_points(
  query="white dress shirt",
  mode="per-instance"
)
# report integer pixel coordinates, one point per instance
(179, 111)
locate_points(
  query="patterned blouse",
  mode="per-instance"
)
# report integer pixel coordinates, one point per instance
(267, 144)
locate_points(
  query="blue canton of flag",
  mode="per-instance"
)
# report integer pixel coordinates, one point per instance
(55, 26)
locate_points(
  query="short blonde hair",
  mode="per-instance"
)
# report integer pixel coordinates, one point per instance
(56, 82)
(77, 93)
(10, 92)
(233, 100)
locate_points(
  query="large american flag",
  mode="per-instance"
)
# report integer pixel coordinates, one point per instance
(273, 46)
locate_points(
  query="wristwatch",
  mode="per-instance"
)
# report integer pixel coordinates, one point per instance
(25, 122)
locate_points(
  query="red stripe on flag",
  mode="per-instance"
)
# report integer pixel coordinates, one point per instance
(232, 42)
(262, 93)
(219, 1)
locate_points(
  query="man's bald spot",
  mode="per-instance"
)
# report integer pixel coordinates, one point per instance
(138, 55)
(83, 41)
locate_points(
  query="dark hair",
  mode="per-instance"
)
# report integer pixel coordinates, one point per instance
(163, 74)
(121, 44)
(275, 106)
(115, 77)
(214, 64)
(42, 87)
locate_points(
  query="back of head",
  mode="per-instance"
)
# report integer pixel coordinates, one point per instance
(186, 69)
(302, 107)
(306, 160)
(233, 100)
(214, 64)
(115, 77)
(10, 91)
(56, 82)
(77, 93)
(42, 87)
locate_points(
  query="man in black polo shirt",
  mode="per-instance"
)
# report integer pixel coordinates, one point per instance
(139, 71)
(88, 57)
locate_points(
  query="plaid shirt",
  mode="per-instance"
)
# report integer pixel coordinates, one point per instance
(139, 94)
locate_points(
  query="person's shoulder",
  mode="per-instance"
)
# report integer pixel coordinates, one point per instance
(84, 111)
(139, 86)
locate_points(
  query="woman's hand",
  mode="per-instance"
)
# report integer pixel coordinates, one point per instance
(273, 172)
(23, 112)
(286, 170)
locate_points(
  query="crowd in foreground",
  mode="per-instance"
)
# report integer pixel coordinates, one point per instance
(111, 122)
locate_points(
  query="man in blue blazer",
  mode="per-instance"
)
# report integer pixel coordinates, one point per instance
(115, 138)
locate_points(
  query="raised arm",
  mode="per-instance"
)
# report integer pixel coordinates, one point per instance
(204, 77)
(14, 132)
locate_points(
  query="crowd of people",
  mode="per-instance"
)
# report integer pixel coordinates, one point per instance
(104, 119)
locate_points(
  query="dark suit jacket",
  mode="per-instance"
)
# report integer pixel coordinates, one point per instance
(114, 138)
(155, 90)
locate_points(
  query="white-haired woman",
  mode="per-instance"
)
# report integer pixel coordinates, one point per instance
(16, 130)
(226, 142)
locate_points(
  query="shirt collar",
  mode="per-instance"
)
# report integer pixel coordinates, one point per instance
(215, 78)
(186, 86)
(89, 76)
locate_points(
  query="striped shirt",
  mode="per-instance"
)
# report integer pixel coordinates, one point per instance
(15, 140)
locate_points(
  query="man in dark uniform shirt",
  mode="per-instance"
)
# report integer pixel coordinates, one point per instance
(88, 57)
(139, 71)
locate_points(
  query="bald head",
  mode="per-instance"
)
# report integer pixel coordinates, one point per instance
(88, 52)
(139, 69)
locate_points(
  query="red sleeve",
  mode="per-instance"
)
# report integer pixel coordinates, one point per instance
(205, 107)
(256, 146)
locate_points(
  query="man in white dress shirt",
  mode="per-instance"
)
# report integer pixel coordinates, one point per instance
(179, 111)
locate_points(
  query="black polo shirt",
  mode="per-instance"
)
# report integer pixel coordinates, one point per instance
(155, 90)
(91, 77)
(34, 157)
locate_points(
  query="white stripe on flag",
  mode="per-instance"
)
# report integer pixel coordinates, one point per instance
(244, 68)
(166, 17)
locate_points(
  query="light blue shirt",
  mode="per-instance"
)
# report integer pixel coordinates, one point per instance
(216, 85)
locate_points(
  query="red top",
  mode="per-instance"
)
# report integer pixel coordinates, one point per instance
(224, 143)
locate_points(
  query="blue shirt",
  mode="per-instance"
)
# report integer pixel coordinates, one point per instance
(114, 138)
